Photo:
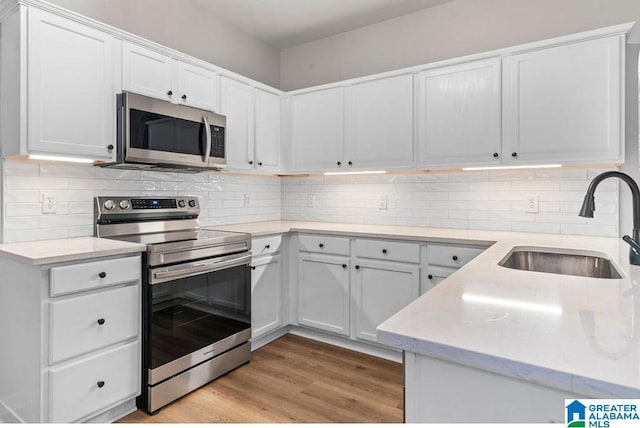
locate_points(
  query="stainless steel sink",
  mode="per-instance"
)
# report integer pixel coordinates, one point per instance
(551, 261)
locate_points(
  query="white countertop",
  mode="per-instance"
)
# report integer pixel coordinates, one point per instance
(574, 333)
(66, 250)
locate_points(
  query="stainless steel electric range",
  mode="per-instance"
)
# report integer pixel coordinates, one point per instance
(196, 293)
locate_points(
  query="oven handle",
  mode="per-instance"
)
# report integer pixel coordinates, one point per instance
(207, 130)
(160, 275)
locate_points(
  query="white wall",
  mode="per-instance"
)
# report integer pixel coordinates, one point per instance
(182, 25)
(450, 30)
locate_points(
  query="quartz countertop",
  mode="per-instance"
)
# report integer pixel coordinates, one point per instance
(67, 250)
(574, 333)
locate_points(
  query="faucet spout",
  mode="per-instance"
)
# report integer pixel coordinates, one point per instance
(589, 206)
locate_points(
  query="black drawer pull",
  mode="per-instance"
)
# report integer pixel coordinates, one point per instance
(321, 245)
(110, 147)
(430, 276)
(357, 267)
(169, 93)
(259, 163)
(102, 274)
(384, 251)
(455, 258)
(350, 163)
(101, 321)
(338, 163)
(267, 246)
(252, 267)
(250, 162)
(495, 155)
(100, 384)
(514, 154)
(184, 96)
(344, 266)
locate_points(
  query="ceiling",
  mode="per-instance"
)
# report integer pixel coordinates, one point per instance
(286, 23)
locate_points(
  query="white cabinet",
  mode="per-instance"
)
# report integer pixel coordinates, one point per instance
(379, 123)
(236, 104)
(267, 130)
(323, 292)
(266, 295)
(81, 349)
(316, 130)
(565, 104)
(381, 289)
(458, 115)
(155, 75)
(443, 260)
(58, 95)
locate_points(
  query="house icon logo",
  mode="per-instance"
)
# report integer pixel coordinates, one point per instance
(576, 414)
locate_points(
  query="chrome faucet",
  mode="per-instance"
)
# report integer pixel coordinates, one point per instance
(589, 206)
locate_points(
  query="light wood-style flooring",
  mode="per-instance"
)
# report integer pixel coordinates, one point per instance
(294, 379)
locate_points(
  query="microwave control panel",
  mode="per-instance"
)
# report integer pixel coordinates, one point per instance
(217, 142)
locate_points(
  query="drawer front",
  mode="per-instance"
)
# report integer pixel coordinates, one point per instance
(407, 252)
(85, 276)
(266, 245)
(75, 391)
(451, 255)
(324, 244)
(83, 324)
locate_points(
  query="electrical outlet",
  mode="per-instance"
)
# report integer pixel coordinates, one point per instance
(533, 205)
(311, 201)
(383, 203)
(49, 203)
(247, 200)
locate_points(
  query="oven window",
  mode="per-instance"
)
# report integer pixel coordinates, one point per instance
(153, 131)
(191, 313)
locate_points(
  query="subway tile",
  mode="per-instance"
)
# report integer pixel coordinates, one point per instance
(117, 174)
(22, 223)
(14, 196)
(30, 169)
(23, 209)
(36, 234)
(67, 170)
(529, 227)
(78, 231)
(23, 182)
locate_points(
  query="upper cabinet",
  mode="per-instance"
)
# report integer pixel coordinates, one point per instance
(267, 130)
(379, 123)
(153, 74)
(458, 115)
(58, 96)
(565, 104)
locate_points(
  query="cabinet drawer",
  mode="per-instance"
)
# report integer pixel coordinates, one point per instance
(324, 244)
(451, 255)
(266, 245)
(407, 252)
(85, 276)
(83, 324)
(75, 391)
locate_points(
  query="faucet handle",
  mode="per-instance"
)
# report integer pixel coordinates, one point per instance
(634, 254)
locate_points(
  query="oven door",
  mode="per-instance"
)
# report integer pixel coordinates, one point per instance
(198, 311)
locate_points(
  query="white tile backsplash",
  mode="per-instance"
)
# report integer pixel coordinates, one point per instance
(492, 200)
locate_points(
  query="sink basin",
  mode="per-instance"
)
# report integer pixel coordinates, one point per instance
(569, 263)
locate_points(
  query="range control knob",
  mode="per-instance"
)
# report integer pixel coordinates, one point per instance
(192, 203)
(181, 203)
(109, 204)
(124, 204)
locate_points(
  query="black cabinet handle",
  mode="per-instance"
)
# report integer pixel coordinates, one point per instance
(321, 245)
(339, 163)
(102, 274)
(357, 267)
(250, 162)
(384, 251)
(110, 147)
(495, 155)
(350, 163)
(100, 384)
(344, 266)
(514, 154)
(455, 258)
(430, 276)
(101, 321)
(267, 246)
(169, 92)
(184, 97)
(259, 163)
(252, 267)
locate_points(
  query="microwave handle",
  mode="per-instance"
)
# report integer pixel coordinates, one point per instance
(207, 129)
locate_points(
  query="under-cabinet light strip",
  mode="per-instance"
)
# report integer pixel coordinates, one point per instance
(60, 158)
(486, 168)
(355, 172)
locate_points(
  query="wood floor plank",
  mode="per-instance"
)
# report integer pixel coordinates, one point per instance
(294, 379)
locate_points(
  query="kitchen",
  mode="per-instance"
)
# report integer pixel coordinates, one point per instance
(354, 217)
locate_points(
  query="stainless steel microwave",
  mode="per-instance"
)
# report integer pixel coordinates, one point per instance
(154, 134)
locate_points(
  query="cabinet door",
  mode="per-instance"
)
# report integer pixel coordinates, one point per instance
(236, 104)
(379, 123)
(564, 104)
(435, 275)
(323, 292)
(267, 131)
(459, 112)
(266, 296)
(148, 73)
(71, 97)
(316, 131)
(380, 289)
(197, 87)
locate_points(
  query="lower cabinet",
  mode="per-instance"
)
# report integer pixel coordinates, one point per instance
(381, 289)
(323, 292)
(266, 295)
(435, 275)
